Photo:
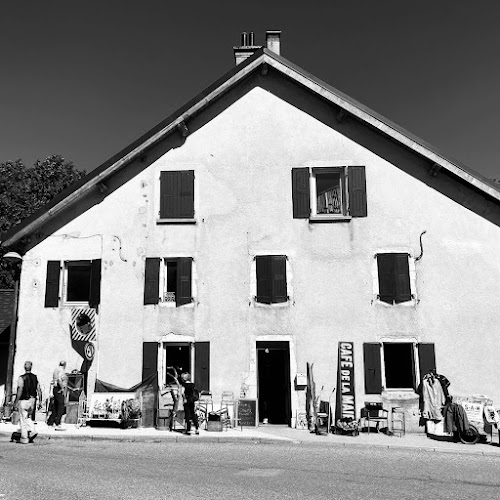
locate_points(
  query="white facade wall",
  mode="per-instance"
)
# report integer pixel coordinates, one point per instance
(243, 207)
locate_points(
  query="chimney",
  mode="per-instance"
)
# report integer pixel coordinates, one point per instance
(247, 47)
(273, 40)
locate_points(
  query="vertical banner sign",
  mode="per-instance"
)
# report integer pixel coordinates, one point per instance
(346, 405)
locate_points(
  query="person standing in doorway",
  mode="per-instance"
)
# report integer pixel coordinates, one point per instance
(59, 388)
(189, 395)
(28, 389)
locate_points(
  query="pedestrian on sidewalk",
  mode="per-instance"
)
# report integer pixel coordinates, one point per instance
(189, 396)
(28, 390)
(59, 388)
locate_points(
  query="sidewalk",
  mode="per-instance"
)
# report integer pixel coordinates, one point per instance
(262, 434)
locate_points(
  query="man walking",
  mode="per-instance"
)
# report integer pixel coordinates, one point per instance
(60, 384)
(28, 389)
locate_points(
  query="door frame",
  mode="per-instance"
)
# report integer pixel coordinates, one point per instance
(279, 345)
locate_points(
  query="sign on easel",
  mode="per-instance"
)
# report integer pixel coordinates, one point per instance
(345, 402)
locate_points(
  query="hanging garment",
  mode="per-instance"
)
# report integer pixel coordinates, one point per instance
(455, 418)
(433, 398)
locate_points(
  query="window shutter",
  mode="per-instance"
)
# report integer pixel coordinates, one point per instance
(152, 281)
(373, 368)
(150, 369)
(402, 278)
(301, 193)
(95, 283)
(279, 289)
(52, 283)
(186, 194)
(426, 358)
(168, 189)
(357, 191)
(183, 293)
(386, 271)
(202, 365)
(264, 278)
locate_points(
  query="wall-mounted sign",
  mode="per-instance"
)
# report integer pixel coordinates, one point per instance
(89, 351)
(346, 403)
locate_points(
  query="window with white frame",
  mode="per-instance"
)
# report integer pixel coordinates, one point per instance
(329, 193)
(396, 365)
(77, 281)
(168, 280)
(394, 278)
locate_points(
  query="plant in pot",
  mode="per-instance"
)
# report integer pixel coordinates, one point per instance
(131, 413)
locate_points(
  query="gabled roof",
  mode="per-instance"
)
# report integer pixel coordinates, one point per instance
(175, 121)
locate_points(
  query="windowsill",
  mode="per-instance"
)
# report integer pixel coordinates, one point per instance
(176, 221)
(408, 303)
(75, 304)
(173, 305)
(273, 304)
(329, 218)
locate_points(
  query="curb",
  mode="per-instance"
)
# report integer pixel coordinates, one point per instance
(255, 441)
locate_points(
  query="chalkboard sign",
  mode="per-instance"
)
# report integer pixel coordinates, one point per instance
(247, 412)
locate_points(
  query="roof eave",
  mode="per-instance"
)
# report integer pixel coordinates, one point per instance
(214, 92)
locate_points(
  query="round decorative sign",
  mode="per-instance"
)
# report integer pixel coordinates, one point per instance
(89, 351)
(83, 324)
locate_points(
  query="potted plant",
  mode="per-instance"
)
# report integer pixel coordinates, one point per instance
(130, 413)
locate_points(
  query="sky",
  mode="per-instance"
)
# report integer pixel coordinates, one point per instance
(85, 79)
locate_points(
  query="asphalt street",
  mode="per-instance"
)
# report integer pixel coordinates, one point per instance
(195, 470)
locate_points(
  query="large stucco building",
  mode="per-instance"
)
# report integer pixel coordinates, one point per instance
(269, 219)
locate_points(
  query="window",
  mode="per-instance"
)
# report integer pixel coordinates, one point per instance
(399, 365)
(329, 193)
(396, 365)
(168, 280)
(271, 279)
(77, 281)
(393, 278)
(81, 283)
(177, 195)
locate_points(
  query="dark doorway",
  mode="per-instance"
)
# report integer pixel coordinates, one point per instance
(178, 356)
(273, 369)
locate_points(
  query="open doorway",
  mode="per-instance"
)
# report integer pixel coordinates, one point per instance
(273, 372)
(178, 356)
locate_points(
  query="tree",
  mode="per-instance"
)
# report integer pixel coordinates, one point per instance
(24, 190)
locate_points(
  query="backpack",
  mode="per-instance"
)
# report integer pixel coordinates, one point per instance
(196, 394)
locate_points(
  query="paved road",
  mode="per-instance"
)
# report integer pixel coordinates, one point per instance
(69, 470)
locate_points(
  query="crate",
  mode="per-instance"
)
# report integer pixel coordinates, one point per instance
(214, 426)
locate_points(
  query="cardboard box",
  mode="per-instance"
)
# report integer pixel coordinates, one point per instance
(214, 426)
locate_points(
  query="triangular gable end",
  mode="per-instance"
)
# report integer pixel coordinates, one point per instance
(349, 114)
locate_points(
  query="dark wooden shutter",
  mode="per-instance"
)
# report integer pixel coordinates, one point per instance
(183, 293)
(264, 278)
(426, 358)
(202, 366)
(301, 193)
(279, 289)
(186, 194)
(357, 191)
(168, 189)
(177, 194)
(401, 278)
(150, 369)
(52, 283)
(152, 281)
(373, 368)
(386, 272)
(95, 283)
